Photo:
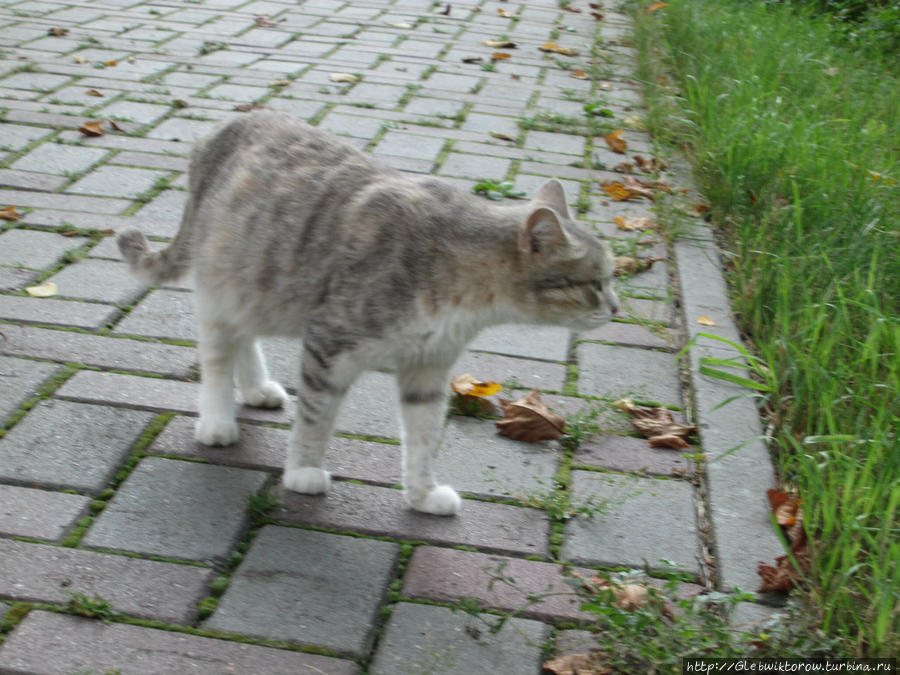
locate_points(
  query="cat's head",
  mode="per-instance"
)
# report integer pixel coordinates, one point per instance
(566, 271)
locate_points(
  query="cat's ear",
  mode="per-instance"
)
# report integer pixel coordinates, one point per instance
(553, 195)
(542, 233)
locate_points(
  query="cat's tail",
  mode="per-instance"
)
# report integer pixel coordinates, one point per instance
(155, 267)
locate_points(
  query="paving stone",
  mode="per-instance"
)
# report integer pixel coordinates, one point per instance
(475, 166)
(63, 202)
(192, 80)
(748, 617)
(163, 314)
(527, 373)
(184, 130)
(384, 512)
(441, 107)
(101, 280)
(56, 644)
(56, 312)
(285, 589)
(12, 279)
(550, 343)
(632, 334)
(59, 159)
(404, 144)
(237, 92)
(487, 123)
(177, 509)
(94, 350)
(132, 111)
(371, 407)
(166, 206)
(553, 142)
(35, 250)
(422, 638)
(29, 180)
(265, 448)
(141, 588)
(474, 458)
(38, 514)
(646, 520)
(634, 455)
(381, 95)
(35, 81)
(21, 380)
(70, 445)
(612, 371)
(117, 182)
(17, 136)
(351, 125)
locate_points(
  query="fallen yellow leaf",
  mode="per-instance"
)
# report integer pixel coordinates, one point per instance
(343, 77)
(94, 92)
(9, 213)
(579, 75)
(506, 14)
(615, 141)
(44, 290)
(705, 321)
(500, 56)
(92, 128)
(467, 385)
(556, 49)
(635, 223)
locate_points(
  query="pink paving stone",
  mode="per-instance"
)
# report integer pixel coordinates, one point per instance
(142, 588)
(384, 512)
(447, 575)
(265, 447)
(40, 514)
(56, 644)
(626, 453)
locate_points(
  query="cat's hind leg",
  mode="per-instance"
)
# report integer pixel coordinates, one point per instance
(323, 384)
(218, 349)
(253, 378)
(423, 405)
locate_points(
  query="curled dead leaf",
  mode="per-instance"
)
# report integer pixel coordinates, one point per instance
(635, 223)
(343, 77)
(529, 420)
(705, 321)
(651, 165)
(499, 44)
(618, 191)
(94, 128)
(556, 49)
(110, 63)
(264, 22)
(500, 56)
(506, 14)
(503, 137)
(467, 385)
(115, 125)
(579, 75)
(56, 31)
(9, 213)
(472, 59)
(400, 24)
(44, 290)
(657, 425)
(615, 141)
(95, 92)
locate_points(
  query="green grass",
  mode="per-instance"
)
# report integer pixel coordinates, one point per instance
(794, 141)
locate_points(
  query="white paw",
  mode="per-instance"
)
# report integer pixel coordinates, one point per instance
(269, 394)
(440, 500)
(216, 431)
(309, 480)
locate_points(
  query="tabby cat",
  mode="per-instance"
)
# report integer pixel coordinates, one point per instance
(290, 231)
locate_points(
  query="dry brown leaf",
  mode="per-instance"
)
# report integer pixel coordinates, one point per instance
(247, 107)
(618, 191)
(58, 32)
(574, 664)
(115, 125)
(705, 321)
(468, 386)
(657, 425)
(110, 63)
(9, 213)
(281, 83)
(95, 92)
(579, 75)
(499, 44)
(44, 290)
(786, 574)
(94, 128)
(506, 14)
(655, 7)
(635, 223)
(651, 165)
(598, 15)
(343, 77)
(264, 22)
(503, 137)
(626, 264)
(623, 167)
(695, 210)
(529, 420)
(569, 8)
(556, 49)
(500, 56)
(446, 10)
(615, 141)
(472, 59)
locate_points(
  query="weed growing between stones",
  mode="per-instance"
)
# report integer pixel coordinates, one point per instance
(93, 608)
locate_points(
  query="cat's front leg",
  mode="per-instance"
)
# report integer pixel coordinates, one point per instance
(323, 384)
(217, 424)
(253, 378)
(423, 403)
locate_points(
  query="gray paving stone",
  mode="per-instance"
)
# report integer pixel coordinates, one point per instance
(409, 145)
(132, 111)
(163, 314)
(52, 312)
(94, 350)
(553, 142)
(35, 81)
(29, 180)
(70, 445)
(527, 373)
(550, 343)
(613, 371)
(371, 407)
(142, 588)
(474, 458)
(117, 182)
(59, 159)
(101, 280)
(384, 512)
(748, 617)
(351, 125)
(35, 250)
(166, 206)
(180, 129)
(17, 136)
(177, 509)
(285, 589)
(422, 638)
(475, 166)
(12, 279)
(57, 644)
(646, 520)
(264, 448)
(451, 82)
(39, 514)
(626, 453)
(63, 202)
(21, 380)
(421, 105)
(632, 334)
(237, 92)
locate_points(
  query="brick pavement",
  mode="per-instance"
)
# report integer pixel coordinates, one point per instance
(104, 495)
